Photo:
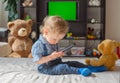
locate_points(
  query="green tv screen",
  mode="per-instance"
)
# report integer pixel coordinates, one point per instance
(65, 9)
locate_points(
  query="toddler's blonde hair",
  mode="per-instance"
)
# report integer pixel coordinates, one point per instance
(55, 23)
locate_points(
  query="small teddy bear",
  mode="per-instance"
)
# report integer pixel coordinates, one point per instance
(19, 38)
(27, 3)
(108, 57)
(94, 2)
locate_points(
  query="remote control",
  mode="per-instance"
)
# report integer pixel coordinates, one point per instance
(68, 48)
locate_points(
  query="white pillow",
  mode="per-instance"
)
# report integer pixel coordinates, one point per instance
(5, 49)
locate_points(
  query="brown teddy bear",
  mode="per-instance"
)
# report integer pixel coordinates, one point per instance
(108, 57)
(19, 38)
(27, 3)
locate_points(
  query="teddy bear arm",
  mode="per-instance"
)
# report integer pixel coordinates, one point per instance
(11, 40)
(115, 56)
(29, 44)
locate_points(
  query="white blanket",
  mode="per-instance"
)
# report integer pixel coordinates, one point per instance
(22, 70)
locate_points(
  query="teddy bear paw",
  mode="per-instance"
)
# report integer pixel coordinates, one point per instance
(87, 61)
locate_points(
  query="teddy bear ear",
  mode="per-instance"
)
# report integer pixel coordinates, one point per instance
(10, 24)
(100, 47)
(116, 43)
(29, 22)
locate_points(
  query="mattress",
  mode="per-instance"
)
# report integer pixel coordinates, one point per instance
(23, 70)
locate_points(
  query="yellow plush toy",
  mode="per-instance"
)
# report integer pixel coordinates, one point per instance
(108, 57)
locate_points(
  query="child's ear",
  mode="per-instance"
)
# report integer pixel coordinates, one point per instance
(45, 31)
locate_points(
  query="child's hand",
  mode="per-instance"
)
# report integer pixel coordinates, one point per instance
(57, 54)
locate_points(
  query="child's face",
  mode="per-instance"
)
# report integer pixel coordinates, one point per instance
(53, 37)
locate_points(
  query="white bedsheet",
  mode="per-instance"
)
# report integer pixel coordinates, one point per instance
(22, 70)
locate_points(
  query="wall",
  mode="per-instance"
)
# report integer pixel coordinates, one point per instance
(3, 15)
(113, 19)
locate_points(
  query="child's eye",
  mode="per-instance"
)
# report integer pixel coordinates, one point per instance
(54, 39)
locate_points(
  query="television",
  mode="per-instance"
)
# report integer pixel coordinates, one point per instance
(66, 9)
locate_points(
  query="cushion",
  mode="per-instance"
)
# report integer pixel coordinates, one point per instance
(5, 49)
